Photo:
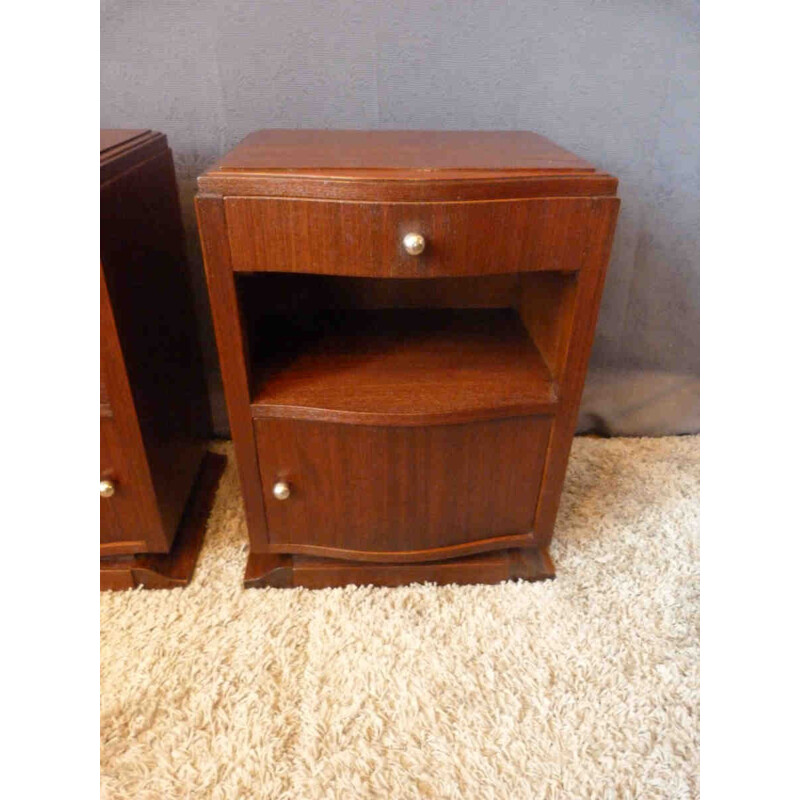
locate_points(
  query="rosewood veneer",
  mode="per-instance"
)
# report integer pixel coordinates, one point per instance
(156, 480)
(404, 321)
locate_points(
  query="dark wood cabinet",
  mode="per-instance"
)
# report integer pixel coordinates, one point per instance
(154, 418)
(404, 321)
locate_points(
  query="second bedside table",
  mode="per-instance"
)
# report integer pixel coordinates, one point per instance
(157, 480)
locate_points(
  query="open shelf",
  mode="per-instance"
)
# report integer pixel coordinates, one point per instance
(401, 367)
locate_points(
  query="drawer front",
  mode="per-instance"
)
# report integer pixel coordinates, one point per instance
(389, 493)
(369, 239)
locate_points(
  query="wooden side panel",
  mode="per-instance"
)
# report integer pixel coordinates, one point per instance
(587, 305)
(365, 239)
(547, 308)
(144, 264)
(389, 493)
(232, 346)
(131, 516)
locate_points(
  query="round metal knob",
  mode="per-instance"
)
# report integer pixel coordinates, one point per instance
(107, 488)
(281, 490)
(414, 243)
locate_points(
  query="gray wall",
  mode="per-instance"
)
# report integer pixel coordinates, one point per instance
(616, 81)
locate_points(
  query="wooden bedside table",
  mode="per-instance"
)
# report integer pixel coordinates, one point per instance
(156, 479)
(404, 321)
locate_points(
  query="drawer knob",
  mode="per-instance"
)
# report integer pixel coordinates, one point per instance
(414, 243)
(281, 490)
(107, 488)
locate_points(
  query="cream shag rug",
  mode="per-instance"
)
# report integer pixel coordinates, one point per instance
(583, 687)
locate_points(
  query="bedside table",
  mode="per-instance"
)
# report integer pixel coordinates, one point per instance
(404, 321)
(156, 479)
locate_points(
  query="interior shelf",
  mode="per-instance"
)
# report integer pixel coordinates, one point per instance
(401, 367)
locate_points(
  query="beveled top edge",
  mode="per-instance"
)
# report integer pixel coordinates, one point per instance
(403, 155)
(127, 149)
(113, 139)
(437, 187)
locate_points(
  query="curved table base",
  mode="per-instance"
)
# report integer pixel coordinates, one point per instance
(286, 571)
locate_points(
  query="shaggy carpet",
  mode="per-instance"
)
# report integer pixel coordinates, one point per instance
(582, 687)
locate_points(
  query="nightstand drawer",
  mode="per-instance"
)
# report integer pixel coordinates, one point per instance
(413, 240)
(382, 493)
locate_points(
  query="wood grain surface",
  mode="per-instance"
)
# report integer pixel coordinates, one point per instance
(175, 568)
(421, 408)
(416, 367)
(405, 151)
(284, 571)
(465, 238)
(234, 360)
(367, 490)
(153, 406)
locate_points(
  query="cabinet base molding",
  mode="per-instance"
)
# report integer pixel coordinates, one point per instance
(175, 568)
(287, 571)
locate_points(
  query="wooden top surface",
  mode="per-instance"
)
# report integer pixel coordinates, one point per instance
(411, 153)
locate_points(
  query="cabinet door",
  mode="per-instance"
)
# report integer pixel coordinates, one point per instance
(399, 493)
(120, 513)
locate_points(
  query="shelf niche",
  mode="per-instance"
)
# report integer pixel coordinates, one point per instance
(405, 351)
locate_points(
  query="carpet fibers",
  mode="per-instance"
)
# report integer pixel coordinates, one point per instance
(582, 687)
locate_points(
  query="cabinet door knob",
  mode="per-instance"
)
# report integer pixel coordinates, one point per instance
(281, 490)
(414, 243)
(107, 488)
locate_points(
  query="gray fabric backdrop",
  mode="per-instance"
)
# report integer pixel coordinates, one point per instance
(616, 81)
